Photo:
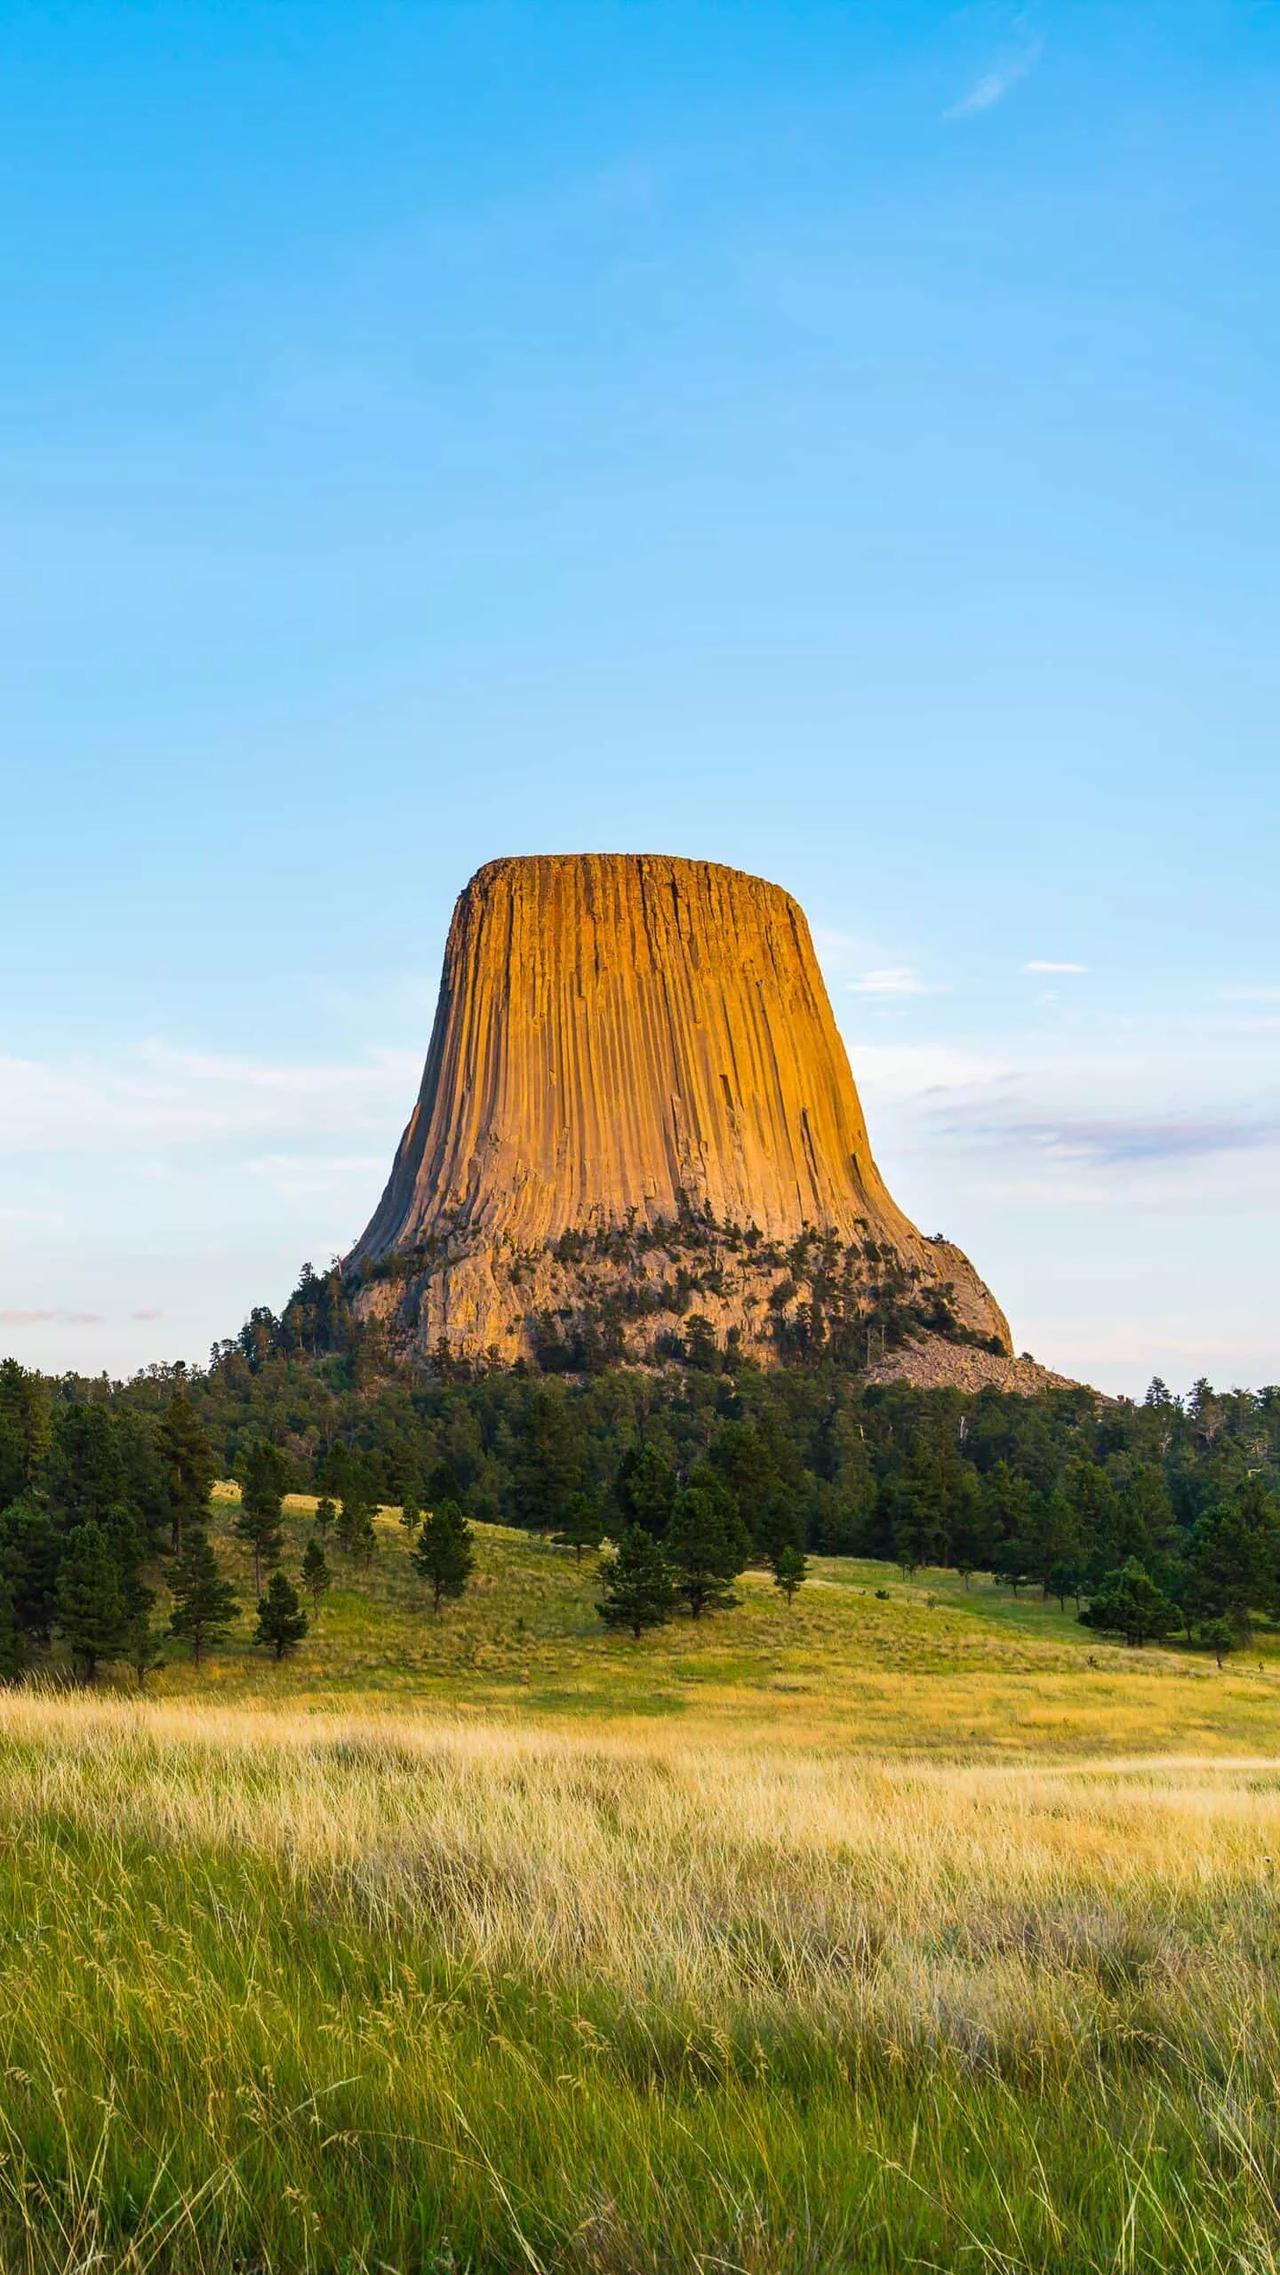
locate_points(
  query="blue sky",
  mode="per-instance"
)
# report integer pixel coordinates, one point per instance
(838, 440)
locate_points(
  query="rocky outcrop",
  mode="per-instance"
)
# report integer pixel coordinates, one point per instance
(635, 1106)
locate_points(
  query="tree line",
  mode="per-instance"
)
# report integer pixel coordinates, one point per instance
(1150, 1518)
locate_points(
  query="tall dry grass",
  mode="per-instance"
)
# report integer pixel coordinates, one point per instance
(294, 1991)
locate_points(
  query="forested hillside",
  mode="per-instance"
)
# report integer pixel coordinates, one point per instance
(1152, 1519)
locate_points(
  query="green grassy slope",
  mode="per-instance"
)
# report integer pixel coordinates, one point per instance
(930, 1666)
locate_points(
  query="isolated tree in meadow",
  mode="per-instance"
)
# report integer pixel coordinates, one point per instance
(443, 1555)
(354, 1529)
(204, 1604)
(410, 1510)
(317, 1579)
(583, 1525)
(261, 1503)
(1220, 1637)
(1129, 1603)
(326, 1515)
(282, 1621)
(790, 1571)
(706, 1547)
(92, 1614)
(639, 1591)
(189, 1464)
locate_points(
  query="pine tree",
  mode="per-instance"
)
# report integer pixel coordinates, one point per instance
(442, 1554)
(644, 1489)
(189, 1466)
(410, 1511)
(326, 1515)
(143, 1649)
(583, 1527)
(1129, 1603)
(354, 1530)
(790, 1570)
(638, 1588)
(552, 1461)
(261, 1502)
(204, 1605)
(12, 1642)
(92, 1612)
(281, 1620)
(706, 1548)
(30, 1553)
(1220, 1637)
(317, 1579)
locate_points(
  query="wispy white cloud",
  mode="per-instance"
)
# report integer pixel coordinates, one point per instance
(921, 1070)
(1004, 75)
(891, 979)
(58, 1317)
(1046, 964)
(162, 1097)
(1253, 994)
(1121, 1141)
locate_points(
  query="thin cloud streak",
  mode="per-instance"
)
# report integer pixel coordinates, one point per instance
(893, 979)
(995, 84)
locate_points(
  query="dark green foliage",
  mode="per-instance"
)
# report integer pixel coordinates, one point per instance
(1064, 1580)
(790, 1571)
(204, 1604)
(143, 1647)
(410, 1511)
(706, 1547)
(442, 1554)
(189, 1466)
(583, 1525)
(644, 1489)
(326, 1515)
(93, 1617)
(282, 1622)
(30, 1553)
(354, 1530)
(988, 1482)
(1234, 1560)
(1128, 1603)
(316, 1576)
(551, 1461)
(26, 1428)
(638, 1588)
(261, 1503)
(700, 1347)
(13, 1653)
(1220, 1637)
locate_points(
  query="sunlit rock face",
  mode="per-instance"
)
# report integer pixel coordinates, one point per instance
(635, 1090)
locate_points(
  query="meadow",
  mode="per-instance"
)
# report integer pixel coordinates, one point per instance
(903, 1930)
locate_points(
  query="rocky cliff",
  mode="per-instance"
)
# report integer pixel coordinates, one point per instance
(636, 1107)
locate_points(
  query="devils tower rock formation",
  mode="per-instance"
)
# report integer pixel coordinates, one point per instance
(636, 1108)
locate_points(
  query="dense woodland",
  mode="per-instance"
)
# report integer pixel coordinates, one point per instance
(1154, 1519)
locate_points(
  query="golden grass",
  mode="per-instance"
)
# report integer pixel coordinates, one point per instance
(884, 1934)
(618, 2000)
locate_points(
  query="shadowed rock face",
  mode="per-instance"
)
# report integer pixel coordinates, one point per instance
(625, 1039)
